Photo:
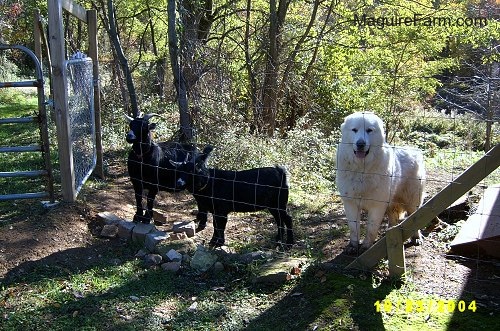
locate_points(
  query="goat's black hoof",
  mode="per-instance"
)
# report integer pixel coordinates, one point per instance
(141, 219)
(216, 243)
(201, 227)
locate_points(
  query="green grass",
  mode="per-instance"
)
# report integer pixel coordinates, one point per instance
(129, 297)
(15, 104)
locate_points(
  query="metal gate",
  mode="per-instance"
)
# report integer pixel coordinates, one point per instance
(43, 146)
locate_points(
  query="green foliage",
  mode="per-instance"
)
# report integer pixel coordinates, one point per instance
(435, 130)
(307, 153)
(388, 69)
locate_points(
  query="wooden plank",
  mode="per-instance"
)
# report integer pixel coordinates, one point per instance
(395, 251)
(59, 83)
(424, 215)
(481, 231)
(75, 10)
(37, 34)
(371, 257)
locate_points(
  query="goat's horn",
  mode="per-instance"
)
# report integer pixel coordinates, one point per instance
(148, 116)
(130, 119)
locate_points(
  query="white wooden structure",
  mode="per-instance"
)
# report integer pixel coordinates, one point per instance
(391, 245)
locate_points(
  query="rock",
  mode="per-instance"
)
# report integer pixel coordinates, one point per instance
(202, 260)
(152, 259)
(188, 227)
(160, 216)
(173, 267)
(125, 229)
(109, 218)
(218, 267)
(279, 271)
(109, 231)
(193, 307)
(178, 236)
(141, 253)
(174, 256)
(115, 262)
(254, 256)
(154, 238)
(140, 231)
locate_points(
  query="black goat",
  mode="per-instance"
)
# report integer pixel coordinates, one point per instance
(221, 192)
(148, 164)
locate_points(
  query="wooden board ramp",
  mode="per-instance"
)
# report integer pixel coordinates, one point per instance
(481, 232)
(391, 245)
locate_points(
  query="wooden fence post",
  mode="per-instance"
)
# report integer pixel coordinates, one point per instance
(395, 251)
(61, 106)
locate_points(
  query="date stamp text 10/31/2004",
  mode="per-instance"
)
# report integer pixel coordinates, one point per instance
(424, 306)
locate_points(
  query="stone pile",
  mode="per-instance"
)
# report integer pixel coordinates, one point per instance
(176, 249)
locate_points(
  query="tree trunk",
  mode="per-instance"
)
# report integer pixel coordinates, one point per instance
(254, 105)
(115, 39)
(270, 88)
(160, 62)
(179, 82)
(271, 74)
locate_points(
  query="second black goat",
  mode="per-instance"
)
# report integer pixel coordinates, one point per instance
(222, 191)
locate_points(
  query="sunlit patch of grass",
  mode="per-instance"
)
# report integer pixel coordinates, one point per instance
(14, 104)
(447, 165)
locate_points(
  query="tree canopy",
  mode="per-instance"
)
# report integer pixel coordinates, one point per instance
(270, 64)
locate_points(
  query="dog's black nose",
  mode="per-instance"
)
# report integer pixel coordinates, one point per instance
(360, 144)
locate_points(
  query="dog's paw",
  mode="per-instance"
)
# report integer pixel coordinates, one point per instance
(417, 239)
(351, 249)
(364, 247)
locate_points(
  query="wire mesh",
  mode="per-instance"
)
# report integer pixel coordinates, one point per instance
(81, 114)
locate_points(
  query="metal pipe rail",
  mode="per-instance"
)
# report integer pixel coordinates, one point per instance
(19, 120)
(29, 83)
(41, 119)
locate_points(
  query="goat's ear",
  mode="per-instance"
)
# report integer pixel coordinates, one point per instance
(203, 158)
(152, 126)
(208, 149)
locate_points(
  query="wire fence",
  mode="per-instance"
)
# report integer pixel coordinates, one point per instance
(81, 111)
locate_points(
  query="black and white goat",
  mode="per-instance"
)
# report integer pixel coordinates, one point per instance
(221, 192)
(149, 164)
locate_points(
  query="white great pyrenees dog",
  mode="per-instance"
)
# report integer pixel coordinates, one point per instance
(375, 177)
